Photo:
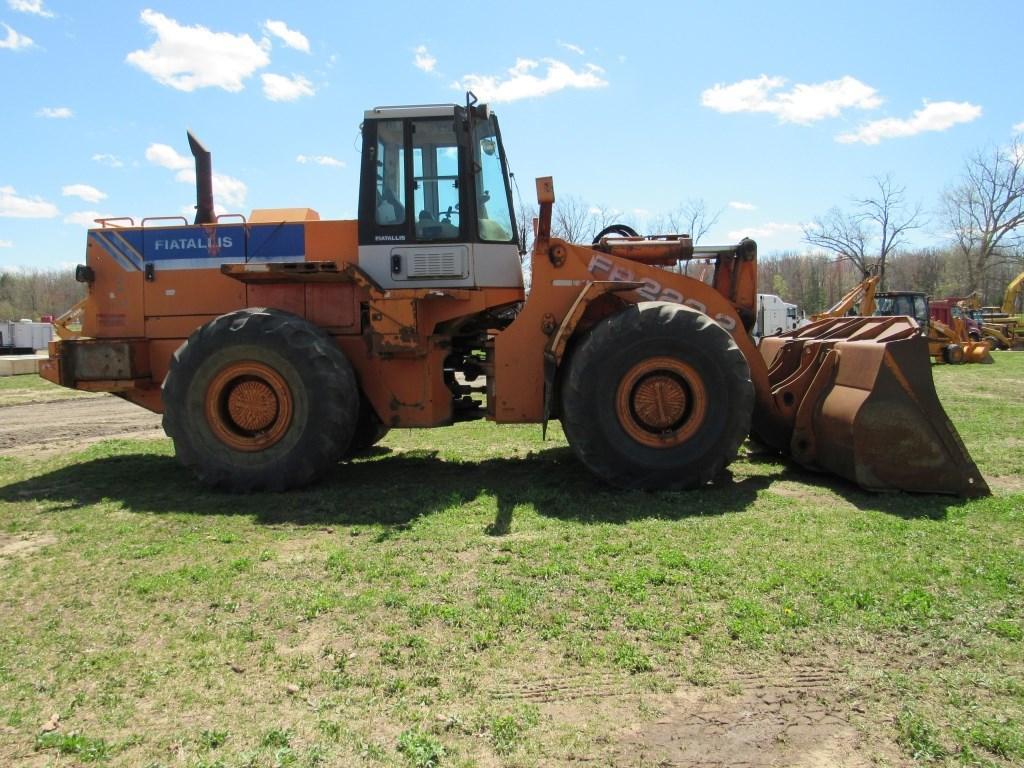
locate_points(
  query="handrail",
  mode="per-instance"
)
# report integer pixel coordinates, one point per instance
(108, 221)
(230, 216)
(164, 218)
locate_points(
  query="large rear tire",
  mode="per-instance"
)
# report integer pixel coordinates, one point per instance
(260, 399)
(658, 396)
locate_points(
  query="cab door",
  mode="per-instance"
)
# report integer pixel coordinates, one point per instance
(412, 231)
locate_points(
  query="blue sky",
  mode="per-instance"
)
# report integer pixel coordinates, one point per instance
(772, 112)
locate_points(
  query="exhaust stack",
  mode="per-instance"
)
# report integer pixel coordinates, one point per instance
(204, 181)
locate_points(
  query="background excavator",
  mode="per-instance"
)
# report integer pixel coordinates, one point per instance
(279, 344)
(859, 300)
(1000, 330)
(942, 323)
(946, 330)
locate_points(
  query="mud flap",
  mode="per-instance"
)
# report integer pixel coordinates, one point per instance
(857, 400)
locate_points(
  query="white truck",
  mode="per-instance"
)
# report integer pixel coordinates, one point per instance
(775, 316)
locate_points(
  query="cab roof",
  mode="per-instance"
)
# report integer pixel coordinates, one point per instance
(416, 110)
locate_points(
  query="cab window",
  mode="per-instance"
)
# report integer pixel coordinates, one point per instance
(435, 177)
(390, 204)
(494, 216)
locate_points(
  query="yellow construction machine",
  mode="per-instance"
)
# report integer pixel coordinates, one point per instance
(277, 345)
(859, 300)
(942, 325)
(1013, 290)
(989, 324)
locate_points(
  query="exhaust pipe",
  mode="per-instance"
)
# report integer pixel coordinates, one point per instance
(204, 181)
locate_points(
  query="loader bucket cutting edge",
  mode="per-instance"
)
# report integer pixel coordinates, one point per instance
(863, 406)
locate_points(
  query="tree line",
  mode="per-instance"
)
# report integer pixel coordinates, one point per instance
(981, 215)
(31, 294)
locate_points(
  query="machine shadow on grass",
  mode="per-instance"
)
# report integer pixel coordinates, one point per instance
(392, 489)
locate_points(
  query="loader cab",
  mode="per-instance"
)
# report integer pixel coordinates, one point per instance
(909, 303)
(435, 205)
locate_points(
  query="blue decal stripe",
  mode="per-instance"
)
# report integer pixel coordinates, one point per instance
(128, 249)
(115, 244)
(114, 253)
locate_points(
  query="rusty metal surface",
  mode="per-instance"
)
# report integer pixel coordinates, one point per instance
(856, 398)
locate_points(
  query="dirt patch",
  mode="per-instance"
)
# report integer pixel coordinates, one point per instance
(1009, 483)
(793, 719)
(798, 716)
(37, 430)
(22, 545)
(808, 494)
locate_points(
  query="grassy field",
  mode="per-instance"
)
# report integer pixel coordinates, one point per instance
(469, 597)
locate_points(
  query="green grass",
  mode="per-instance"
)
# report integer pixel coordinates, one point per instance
(391, 616)
(29, 388)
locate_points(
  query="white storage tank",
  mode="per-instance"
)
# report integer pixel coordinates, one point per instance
(24, 336)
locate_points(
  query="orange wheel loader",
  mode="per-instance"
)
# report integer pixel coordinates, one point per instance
(279, 344)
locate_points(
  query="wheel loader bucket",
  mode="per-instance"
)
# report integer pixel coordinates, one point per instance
(977, 352)
(854, 396)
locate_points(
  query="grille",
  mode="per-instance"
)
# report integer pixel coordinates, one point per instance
(436, 264)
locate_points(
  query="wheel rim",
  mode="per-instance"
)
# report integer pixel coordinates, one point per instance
(661, 402)
(249, 406)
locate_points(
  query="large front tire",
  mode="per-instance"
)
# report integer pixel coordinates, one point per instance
(260, 399)
(658, 396)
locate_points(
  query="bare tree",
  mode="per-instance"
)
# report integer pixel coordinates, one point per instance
(526, 215)
(692, 218)
(572, 220)
(985, 210)
(866, 236)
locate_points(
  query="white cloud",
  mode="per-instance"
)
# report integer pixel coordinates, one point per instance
(1018, 128)
(84, 191)
(6, 244)
(423, 60)
(320, 160)
(281, 88)
(165, 155)
(111, 160)
(573, 48)
(520, 83)
(14, 40)
(14, 207)
(290, 37)
(770, 231)
(803, 103)
(57, 113)
(86, 219)
(936, 116)
(187, 58)
(30, 6)
(740, 206)
(229, 193)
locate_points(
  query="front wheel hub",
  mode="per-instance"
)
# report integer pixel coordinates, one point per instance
(248, 406)
(661, 402)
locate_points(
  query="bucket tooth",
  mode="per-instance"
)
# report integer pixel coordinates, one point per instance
(857, 399)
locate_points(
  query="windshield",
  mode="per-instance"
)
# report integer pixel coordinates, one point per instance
(494, 209)
(435, 173)
(913, 306)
